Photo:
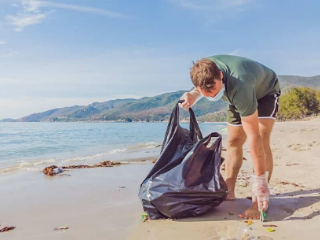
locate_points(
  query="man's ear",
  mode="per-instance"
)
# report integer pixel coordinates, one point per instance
(221, 75)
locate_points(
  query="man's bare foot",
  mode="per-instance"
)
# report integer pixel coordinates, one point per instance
(251, 213)
(231, 196)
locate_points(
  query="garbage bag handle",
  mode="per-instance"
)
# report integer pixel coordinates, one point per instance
(207, 140)
(174, 121)
(193, 126)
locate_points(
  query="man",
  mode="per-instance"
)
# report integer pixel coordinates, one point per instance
(251, 91)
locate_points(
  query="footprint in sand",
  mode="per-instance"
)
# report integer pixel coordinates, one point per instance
(310, 129)
(212, 232)
(288, 210)
(300, 147)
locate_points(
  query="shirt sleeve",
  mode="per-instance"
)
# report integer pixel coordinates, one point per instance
(245, 100)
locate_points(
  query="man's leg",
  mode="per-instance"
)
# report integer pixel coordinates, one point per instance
(236, 139)
(265, 129)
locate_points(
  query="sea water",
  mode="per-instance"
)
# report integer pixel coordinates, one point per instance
(31, 146)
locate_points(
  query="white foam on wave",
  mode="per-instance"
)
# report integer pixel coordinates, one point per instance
(35, 163)
(38, 165)
(82, 158)
(119, 150)
(26, 165)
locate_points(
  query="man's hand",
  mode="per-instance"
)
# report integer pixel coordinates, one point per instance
(260, 191)
(189, 98)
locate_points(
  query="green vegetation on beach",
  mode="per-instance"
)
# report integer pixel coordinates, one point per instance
(298, 103)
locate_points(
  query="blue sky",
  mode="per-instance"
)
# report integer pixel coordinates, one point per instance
(75, 52)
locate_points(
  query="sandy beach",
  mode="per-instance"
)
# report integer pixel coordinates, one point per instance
(102, 203)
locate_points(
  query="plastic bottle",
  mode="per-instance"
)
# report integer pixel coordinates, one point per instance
(246, 233)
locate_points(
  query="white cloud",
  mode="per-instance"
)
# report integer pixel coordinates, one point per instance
(32, 12)
(30, 15)
(213, 5)
(83, 9)
(31, 5)
(235, 52)
(213, 11)
(2, 42)
(21, 21)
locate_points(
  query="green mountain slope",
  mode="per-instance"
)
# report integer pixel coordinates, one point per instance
(51, 115)
(157, 108)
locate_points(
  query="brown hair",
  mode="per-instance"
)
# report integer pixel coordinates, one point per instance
(204, 73)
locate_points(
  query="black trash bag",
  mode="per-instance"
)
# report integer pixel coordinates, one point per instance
(185, 181)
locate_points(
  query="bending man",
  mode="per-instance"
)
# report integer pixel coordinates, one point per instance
(251, 91)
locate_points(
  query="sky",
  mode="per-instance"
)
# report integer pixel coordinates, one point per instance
(62, 53)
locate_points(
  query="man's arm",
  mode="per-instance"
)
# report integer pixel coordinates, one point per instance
(251, 127)
(190, 98)
(197, 95)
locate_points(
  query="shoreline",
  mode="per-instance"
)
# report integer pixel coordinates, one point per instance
(35, 167)
(113, 121)
(309, 118)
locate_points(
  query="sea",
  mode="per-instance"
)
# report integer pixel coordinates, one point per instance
(33, 146)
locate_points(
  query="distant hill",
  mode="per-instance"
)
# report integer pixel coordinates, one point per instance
(9, 120)
(50, 114)
(297, 81)
(157, 108)
(147, 109)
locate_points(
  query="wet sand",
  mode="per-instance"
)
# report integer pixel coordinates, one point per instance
(100, 203)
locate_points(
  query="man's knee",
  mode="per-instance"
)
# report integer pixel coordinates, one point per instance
(236, 141)
(265, 129)
(265, 138)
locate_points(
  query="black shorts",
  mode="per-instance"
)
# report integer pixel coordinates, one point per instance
(268, 107)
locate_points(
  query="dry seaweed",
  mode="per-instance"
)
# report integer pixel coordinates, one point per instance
(6, 229)
(61, 228)
(288, 183)
(53, 170)
(292, 164)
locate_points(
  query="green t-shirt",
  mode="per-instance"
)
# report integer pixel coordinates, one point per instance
(246, 81)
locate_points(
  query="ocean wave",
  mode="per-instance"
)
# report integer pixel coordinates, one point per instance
(146, 145)
(24, 165)
(119, 150)
(82, 158)
(38, 165)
